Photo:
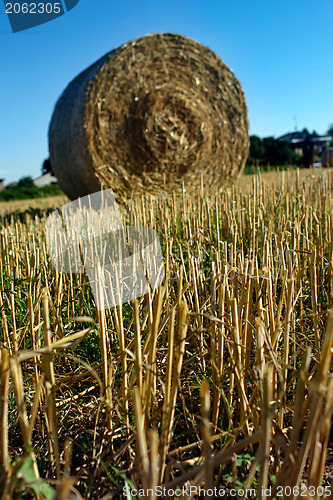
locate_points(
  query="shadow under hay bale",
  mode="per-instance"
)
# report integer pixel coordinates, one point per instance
(152, 113)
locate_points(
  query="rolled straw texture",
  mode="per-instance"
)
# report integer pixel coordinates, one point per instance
(157, 111)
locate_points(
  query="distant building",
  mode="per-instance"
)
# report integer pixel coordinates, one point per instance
(2, 186)
(306, 144)
(327, 158)
(45, 180)
(11, 185)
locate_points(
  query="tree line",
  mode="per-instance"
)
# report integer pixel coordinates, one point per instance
(271, 151)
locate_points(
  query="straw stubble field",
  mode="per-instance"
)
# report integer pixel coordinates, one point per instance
(220, 378)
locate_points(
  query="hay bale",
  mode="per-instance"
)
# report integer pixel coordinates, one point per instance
(152, 113)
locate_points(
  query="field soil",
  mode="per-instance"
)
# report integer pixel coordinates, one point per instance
(279, 178)
(245, 182)
(8, 207)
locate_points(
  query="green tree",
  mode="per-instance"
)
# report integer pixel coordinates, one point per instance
(25, 182)
(257, 150)
(278, 153)
(271, 151)
(26, 189)
(47, 167)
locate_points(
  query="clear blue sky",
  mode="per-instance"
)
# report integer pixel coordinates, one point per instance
(281, 51)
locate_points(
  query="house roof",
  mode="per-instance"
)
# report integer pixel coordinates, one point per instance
(293, 137)
(45, 180)
(300, 137)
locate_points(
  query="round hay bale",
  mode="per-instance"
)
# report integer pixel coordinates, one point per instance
(151, 114)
